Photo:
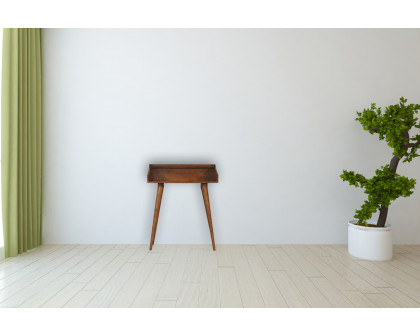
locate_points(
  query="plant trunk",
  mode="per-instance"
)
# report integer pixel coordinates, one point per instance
(383, 212)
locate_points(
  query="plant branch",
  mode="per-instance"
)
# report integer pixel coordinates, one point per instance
(383, 212)
(374, 129)
(414, 144)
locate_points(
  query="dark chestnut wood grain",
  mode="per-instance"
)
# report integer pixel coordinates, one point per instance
(182, 173)
(205, 191)
(156, 215)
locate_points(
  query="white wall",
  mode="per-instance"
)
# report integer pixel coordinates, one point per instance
(274, 109)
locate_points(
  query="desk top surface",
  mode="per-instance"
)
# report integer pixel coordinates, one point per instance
(182, 173)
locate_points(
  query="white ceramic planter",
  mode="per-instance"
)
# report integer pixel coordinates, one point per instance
(370, 243)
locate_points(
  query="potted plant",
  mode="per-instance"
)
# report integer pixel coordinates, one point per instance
(372, 240)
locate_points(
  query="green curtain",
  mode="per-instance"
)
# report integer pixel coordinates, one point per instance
(21, 139)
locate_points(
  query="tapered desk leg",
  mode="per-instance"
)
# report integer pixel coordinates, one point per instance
(156, 215)
(206, 199)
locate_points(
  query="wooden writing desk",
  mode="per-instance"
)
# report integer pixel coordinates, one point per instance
(182, 173)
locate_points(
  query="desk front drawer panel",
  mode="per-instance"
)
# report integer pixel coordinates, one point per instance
(162, 175)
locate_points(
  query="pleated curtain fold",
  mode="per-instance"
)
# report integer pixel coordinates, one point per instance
(21, 139)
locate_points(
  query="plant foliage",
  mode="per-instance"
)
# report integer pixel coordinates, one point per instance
(393, 126)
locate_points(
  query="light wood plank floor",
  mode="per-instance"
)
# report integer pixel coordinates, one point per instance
(194, 276)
